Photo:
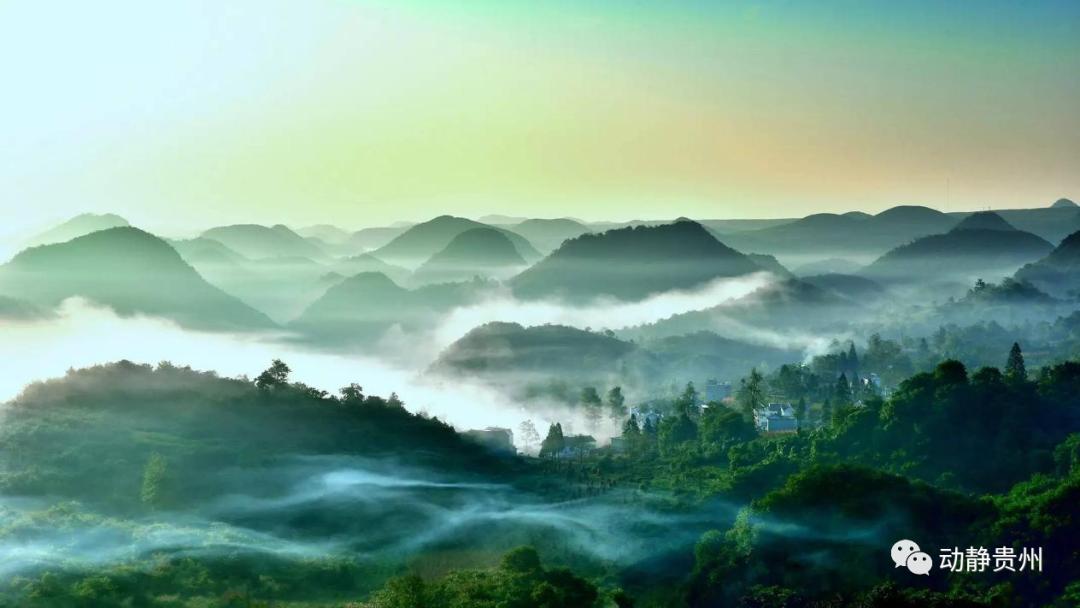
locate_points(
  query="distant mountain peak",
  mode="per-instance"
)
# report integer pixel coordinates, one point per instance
(1064, 203)
(984, 220)
(631, 263)
(129, 270)
(910, 212)
(80, 225)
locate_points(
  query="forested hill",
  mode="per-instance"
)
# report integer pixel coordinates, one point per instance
(129, 270)
(632, 263)
(117, 417)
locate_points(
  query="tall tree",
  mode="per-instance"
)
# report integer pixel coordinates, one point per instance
(853, 361)
(616, 403)
(273, 377)
(529, 434)
(554, 442)
(686, 403)
(592, 406)
(751, 394)
(843, 391)
(826, 412)
(1015, 370)
(800, 410)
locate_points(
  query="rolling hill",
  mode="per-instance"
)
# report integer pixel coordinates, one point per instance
(549, 234)
(500, 349)
(77, 226)
(365, 306)
(256, 241)
(632, 263)
(984, 220)
(1059, 272)
(959, 255)
(129, 270)
(372, 238)
(483, 252)
(417, 244)
(855, 235)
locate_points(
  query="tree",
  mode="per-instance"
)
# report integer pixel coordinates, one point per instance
(153, 484)
(554, 442)
(274, 377)
(751, 394)
(1015, 370)
(675, 431)
(353, 394)
(853, 361)
(616, 403)
(800, 410)
(590, 400)
(843, 391)
(630, 428)
(723, 426)
(686, 403)
(826, 412)
(529, 434)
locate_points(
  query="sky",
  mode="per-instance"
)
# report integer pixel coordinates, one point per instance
(183, 115)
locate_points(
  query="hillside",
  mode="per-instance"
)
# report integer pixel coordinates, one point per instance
(77, 226)
(848, 286)
(858, 235)
(984, 220)
(509, 349)
(632, 263)
(368, 239)
(13, 309)
(792, 304)
(1059, 272)
(255, 241)
(960, 254)
(548, 234)
(483, 252)
(366, 305)
(417, 244)
(325, 232)
(365, 262)
(129, 270)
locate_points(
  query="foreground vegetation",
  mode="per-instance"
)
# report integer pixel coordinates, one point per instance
(163, 487)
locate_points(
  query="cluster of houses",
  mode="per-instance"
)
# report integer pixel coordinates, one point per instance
(771, 418)
(776, 418)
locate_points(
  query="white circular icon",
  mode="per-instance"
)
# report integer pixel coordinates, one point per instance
(920, 563)
(903, 549)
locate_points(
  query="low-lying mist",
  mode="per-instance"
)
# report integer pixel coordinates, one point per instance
(352, 508)
(83, 334)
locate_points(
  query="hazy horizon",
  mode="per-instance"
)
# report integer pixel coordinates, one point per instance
(363, 113)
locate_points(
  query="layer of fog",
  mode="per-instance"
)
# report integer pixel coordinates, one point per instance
(83, 335)
(366, 510)
(601, 313)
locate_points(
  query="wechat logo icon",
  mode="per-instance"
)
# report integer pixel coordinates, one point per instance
(907, 553)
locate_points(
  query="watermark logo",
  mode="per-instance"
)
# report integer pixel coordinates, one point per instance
(907, 553)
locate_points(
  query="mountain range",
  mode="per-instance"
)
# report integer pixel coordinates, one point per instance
(980, 246)
(256, 241)
(365, 306)
(130, 271)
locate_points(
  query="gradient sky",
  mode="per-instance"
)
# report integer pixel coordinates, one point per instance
(185, 114)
